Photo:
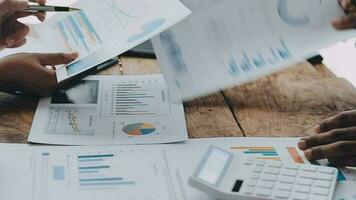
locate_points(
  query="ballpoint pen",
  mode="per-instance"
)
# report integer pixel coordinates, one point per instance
(38, 8)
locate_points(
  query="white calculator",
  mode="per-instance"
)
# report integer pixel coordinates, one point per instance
(227, 177)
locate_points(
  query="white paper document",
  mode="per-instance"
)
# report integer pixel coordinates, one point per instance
(227, 42)
(345, 191)
(102, 30)
(103, 110)
(156, 172)
(340, 59)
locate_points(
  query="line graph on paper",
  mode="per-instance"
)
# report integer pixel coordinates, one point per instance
(135, 18)
(127, 10)
(71, 121)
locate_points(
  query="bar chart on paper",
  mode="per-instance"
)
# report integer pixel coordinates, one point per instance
(93, 174)
(269, 153)
(76, 33)
(97, 171)
(145, 97)
(248, 62)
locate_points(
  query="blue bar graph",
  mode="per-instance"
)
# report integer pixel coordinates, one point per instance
(101, 179)
(284, 52)
(234, 68)
(274, 54)
(96, 156)
(77, 33)
(94, 167)
(89, 25)
(75, 27)
(77, 30)
(62, 28)
(247, 62)
(67, 27)
(259, 61)
(95, 171)
(264, 153)
(258, 151)
(109, 183)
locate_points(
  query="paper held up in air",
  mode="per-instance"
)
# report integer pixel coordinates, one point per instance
(226, 43)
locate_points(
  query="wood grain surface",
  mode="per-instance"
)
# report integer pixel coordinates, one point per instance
(289, 103)
(16, 115)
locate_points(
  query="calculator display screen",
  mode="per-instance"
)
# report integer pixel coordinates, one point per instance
(214, 166)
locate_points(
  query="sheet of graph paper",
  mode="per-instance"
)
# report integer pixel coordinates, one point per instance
(226, 42)
(158, 172)
(101, 30)
(102, 110)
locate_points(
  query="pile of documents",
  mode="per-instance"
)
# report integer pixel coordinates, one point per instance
(221, 44)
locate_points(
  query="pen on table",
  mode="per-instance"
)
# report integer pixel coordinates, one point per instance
(42, 8)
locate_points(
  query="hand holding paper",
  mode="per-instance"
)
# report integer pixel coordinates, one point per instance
(29, 73)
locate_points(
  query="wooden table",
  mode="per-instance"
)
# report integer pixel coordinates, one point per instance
(285, 104)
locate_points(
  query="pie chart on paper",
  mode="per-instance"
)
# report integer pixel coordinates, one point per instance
(139, 129)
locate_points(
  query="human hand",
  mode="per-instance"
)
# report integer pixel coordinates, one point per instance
(13, 32)
(349, 20)
(29, 73)
(335, 140)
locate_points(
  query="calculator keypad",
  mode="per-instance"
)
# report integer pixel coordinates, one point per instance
(277, 180)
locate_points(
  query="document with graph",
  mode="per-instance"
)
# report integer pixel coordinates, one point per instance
(233, 42)
(101, 30)
(102, 110)
(135, 172)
